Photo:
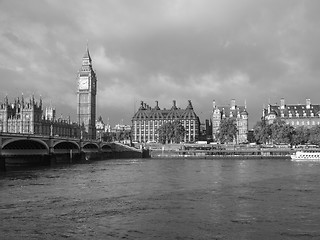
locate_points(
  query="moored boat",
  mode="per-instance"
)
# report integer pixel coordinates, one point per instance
(306, 155)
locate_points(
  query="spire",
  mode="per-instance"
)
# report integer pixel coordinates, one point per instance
(87, 53)
(40, 104)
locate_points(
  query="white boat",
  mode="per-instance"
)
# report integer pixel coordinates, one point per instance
(306, 156)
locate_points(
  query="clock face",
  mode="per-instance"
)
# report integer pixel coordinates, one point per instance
(83, 83)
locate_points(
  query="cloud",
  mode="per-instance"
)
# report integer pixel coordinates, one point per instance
(201, 50)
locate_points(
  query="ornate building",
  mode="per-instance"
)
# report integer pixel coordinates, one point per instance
(296, 115)
(238, 113)
(27, 117)
(146, 121)
(86, 94)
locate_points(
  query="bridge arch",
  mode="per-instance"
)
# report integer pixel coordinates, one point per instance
(22, 143)
(106, 147)
(22, 146)
(66, 145)
(91, 146)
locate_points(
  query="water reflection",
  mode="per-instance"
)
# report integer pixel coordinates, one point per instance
(163, 199)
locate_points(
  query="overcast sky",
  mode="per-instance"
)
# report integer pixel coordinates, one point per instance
(256, 51)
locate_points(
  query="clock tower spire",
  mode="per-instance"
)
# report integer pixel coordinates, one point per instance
(86, 95)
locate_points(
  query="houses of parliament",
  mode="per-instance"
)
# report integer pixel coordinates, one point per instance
(28, 116)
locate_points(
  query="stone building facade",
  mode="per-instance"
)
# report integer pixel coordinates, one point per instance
(238, 113)
(296, 115)
(26, 117)
(146, 122)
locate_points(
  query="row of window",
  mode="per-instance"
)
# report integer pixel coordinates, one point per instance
(298, 123)
(146, 139)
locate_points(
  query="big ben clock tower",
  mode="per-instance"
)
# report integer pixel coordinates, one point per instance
(86, 94)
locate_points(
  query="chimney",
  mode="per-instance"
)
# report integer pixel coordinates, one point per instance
(233, 104)
(282, 103)
(308, 103)
(174, 105)
(157, 105)
(214, 104)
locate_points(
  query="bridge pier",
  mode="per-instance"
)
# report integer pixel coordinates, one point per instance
(2, 164)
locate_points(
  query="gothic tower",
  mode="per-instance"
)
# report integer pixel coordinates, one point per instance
(86, 94)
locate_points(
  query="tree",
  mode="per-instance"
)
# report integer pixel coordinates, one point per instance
(179, 132)
(314, 137)
(227, 131)
(171, 132)
(262, 132)
(281, 132)
(301, 135)
(109, 137)
(277, 132)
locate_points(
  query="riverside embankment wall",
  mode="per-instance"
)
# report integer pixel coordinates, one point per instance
(209, 151)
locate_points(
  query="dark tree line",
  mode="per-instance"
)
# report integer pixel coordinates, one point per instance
(280, 132)
(276, 133)
(116, 136)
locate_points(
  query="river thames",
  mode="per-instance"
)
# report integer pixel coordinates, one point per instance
(163, 199)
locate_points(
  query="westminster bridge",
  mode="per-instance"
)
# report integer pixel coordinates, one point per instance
(30, 149)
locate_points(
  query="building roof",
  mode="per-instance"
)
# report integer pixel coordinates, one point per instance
(228, 111)
(294, 110)
(146, 112)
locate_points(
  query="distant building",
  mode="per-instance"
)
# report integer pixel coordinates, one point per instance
(238, 113)
(100, 127)
(205, 131)
(146, 121)
(121, 128)
(27, 117)
(296, 115)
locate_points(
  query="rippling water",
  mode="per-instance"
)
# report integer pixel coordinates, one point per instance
(163, 199)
